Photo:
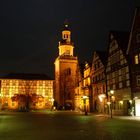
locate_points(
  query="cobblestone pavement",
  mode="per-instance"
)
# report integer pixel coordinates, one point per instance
(67, 125)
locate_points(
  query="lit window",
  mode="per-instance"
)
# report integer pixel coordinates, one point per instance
(138, 80)
(136, 59)
(13, 104)
(67, 52)
(88, 81)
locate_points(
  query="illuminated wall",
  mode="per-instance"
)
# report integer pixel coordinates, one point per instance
(82, 89)
(99, 81)
(137, 107)
(41, 89)
(65, 71)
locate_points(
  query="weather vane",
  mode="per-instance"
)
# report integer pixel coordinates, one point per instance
(66, 23)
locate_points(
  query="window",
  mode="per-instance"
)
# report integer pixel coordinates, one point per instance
(127, 83)
(103, 75)
(136, 59)
(103, 88)
(120, 85)
(13, 104)
(121, 56)
(127, 76)
(68, 71)
(92, 80)
(108, 87)
(67, 52)
(116, 79)
(138, 38)
(120, 72)
(98, 64)
(114, 86)
(123, 73)
(96, 78)
(127, 69)
(95, 66)
(67, 36)
(138, 80)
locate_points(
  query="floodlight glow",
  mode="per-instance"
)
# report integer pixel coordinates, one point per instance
(108, 103)
(137, 103)
(85, 97)
(112, 91)
(101, 96)
(121, 102)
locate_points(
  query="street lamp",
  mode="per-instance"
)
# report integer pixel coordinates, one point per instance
(111, 101)
(84, 99)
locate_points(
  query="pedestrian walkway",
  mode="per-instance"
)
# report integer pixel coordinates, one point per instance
(119, 117)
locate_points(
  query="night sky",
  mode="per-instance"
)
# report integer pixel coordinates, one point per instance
(31, 29)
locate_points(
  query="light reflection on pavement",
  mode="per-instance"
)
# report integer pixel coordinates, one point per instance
(67, 125)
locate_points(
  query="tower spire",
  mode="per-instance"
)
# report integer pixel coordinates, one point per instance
(65, 70)
(66, 33)
(66, 23)
(65, 45)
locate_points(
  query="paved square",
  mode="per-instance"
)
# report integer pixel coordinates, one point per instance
(60, 125)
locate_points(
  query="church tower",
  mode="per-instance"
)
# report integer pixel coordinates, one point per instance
(65, 71)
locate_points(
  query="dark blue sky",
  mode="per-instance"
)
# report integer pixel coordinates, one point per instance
(30, 30)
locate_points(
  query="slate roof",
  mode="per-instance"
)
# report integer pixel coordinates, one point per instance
(122, 39)
(135, 28)
(103, 56)
(26, 76)
(81, 67)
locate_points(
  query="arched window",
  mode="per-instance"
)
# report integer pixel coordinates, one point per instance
(68, 71)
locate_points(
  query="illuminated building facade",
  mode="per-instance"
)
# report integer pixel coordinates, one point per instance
(65, 71)
(78, 100)
(134, 52)
(83, 88)
(99, 81)
(87, 90)
(26, 91)
(118, 73)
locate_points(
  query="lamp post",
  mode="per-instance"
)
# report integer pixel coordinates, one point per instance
(84, 99)
(111, 105)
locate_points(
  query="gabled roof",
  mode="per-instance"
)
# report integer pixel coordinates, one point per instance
(81, 67)
(88, 63)
(135, 25)
(103, 56)
(122, 38)
(26, 76)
